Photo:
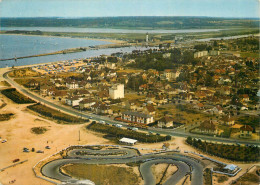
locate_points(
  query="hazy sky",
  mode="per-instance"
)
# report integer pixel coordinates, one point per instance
(100, 8)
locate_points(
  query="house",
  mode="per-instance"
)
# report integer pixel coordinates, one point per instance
(44, 89)
(199, 106)
(116, 91)
(171, 74)
(217, 110)
(33, 83)
(165, 121)
(207, 127)
(246, 131)
(149, 109)
(225, 90)
(101, 108)
(102, 95)
(245, 97)
(72, 84)
(86, 103)
(73, 100)
(137, 117)
(227, 120)
(80, 92)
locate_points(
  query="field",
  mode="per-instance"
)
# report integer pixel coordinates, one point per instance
(54, 114)
(16, 96)
(181, 114)
(27, 72)
(102, 174)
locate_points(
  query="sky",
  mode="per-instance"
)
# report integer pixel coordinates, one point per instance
(108, 8)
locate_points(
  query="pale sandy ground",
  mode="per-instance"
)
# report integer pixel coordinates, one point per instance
(18, 135)
(159, 169)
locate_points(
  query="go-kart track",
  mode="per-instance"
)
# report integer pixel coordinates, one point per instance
(122, 155)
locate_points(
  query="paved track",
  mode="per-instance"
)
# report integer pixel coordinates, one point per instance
(184, 164)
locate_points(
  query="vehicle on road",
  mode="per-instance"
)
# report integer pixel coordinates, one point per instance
(118, 125)
(134, 129)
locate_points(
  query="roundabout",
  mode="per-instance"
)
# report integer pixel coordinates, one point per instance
(112, 155)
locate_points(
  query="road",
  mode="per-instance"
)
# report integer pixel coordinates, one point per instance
(184, 164)
(172, 132)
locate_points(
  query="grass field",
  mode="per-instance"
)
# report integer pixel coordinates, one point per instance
(27, 72)
(102, 174)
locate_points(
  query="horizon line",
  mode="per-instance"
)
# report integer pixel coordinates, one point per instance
(80, 17)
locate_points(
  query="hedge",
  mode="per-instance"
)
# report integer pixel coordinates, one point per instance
(232, 152)
(52, 113)
(119, 133)
(16, 96)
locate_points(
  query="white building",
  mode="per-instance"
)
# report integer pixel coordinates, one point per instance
(171, 74)
(117, 91)
(73, 101)
(128, 141)
(200, 54)
(137, 117)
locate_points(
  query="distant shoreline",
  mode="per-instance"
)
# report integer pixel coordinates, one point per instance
(86, 38)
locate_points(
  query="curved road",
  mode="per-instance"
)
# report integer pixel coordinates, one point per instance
(147, 174)
(74, 112)
(184, 164)
(126, 153)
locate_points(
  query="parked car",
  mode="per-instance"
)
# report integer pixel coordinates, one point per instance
(16, 160)
(47, 147)
(40, 151)
(26, 149)
(4, 141)
(134, 129)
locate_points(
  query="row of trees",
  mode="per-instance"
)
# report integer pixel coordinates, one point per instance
(52, 113)
(16, 96)
(232, 152)
(119, 133)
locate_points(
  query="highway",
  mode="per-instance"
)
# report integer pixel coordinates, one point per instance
(184, 164)
(172, 132)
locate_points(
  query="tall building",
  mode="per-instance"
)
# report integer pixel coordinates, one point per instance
(117, 91)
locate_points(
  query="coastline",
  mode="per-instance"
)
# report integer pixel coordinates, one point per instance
(113, 43)
(86, 38)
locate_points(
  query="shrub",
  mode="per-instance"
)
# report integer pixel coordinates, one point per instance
(5, 117)
(38, 130)
(16, 96)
